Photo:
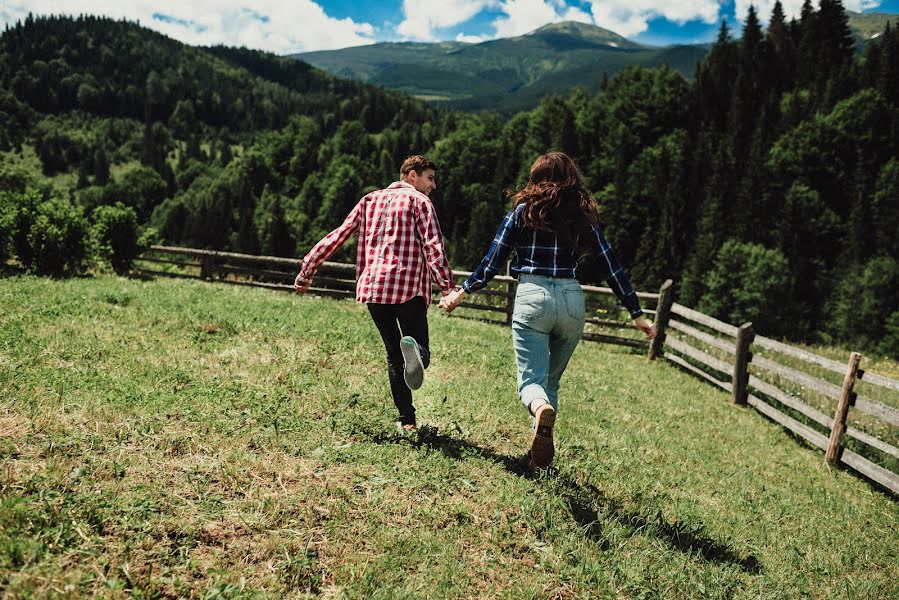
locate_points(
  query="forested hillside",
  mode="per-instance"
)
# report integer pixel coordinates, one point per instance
(767, 186)
(505, 75)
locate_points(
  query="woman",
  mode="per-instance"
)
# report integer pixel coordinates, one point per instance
(552, 226)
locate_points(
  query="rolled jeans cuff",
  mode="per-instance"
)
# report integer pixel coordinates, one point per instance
(532, 392)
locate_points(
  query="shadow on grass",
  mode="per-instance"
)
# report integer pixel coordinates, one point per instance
(584, 500)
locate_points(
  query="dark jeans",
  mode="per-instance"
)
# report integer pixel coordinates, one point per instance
(412, 318)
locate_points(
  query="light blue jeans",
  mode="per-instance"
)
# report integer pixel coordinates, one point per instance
(547, 324)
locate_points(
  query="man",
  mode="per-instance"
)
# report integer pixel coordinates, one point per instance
(399, 250)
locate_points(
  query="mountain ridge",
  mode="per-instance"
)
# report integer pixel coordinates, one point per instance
(507, 75)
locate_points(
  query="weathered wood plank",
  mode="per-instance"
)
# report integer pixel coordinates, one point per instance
(866, 405)
(800, 429)
(817, 416)
(238, 270)
(875, 472)
(823, 387)
(164, 261)
(699, 355)
(876, 409)
(703, 337)
(697, 371)
(787, 400)
(880, 380)
(698, 317)
(872, 441)
(612, 339)
(805, 355)
(610, 323)
(821, 361)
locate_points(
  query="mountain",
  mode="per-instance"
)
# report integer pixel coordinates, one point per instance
(868, 26)
(104, 68)
(505, 75)
(512, 74)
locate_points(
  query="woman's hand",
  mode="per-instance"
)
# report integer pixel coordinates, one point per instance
(646, 327)
(452, 300)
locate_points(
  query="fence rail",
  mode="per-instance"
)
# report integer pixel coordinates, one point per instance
(723, 354)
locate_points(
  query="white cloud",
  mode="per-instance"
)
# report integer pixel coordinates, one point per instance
(280, 27)
(471, 39)
(793, 8)
(631, 17)
(523, 16)
(422, 17)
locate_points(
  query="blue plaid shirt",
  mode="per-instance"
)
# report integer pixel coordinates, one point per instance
(541, 253)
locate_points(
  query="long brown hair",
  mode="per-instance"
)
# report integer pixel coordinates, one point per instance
(556, 199)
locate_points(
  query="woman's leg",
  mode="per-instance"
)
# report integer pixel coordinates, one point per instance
(532, 320)
(532, 358)
(564, 338)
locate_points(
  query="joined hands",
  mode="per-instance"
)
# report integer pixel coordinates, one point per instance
(452, 300)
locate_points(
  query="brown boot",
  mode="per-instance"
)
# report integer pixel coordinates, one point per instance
(542, 450)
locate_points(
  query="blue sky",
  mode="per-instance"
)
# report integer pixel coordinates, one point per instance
(291, 26)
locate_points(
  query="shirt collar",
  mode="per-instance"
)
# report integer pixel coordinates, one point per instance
(398, 184)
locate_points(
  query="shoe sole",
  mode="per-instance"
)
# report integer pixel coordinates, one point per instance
(414, 369)
(542, 449)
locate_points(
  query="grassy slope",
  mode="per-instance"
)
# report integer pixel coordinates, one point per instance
(177, 437)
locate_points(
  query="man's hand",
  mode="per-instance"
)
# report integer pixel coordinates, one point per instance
(300, 284)
(646, 327)
(451, 301)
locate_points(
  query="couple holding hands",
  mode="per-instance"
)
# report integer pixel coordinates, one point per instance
(551, 227)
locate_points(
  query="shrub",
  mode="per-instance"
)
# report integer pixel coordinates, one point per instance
(115, 236)
(889, 345)
(748, 282)
(7, 225)
(55, 240)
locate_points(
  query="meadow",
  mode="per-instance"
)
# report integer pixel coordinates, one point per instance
(176, 438)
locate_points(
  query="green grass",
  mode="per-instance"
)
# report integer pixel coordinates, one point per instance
(174, 438)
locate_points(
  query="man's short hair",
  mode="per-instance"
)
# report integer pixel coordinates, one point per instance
(417, 163)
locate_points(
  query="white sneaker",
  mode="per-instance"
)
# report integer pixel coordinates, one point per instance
(414, 368)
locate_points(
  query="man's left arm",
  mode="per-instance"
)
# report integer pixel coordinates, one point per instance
(432, 244)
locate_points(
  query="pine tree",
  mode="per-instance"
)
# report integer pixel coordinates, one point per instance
(100, 167)
(888, 77)
(808, 44)
(781, 66)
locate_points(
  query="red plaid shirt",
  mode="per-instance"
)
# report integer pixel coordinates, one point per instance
(399, 243)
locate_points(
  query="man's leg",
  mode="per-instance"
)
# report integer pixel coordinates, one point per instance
(384, 316)
(413, 318)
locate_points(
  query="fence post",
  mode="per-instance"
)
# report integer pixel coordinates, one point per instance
(745, 335)
(207, 266)
(663, 313)
(847, 398)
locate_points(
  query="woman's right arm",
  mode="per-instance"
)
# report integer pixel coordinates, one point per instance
(618, 280)
(496, 256)
(494, 260)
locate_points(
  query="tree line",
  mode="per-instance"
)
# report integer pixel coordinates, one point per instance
(767, 186)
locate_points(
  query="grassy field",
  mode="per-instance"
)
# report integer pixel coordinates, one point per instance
(175, 438)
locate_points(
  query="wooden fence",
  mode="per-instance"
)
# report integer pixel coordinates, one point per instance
(787, 384)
